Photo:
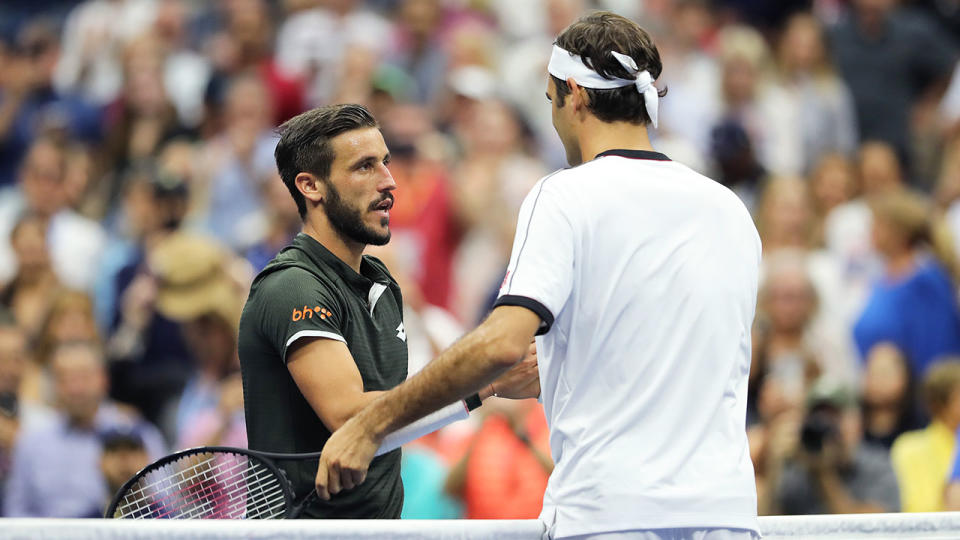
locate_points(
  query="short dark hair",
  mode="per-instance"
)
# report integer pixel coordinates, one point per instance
(304, 144)
(593, 37)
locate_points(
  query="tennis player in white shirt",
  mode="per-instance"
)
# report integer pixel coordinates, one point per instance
(639, 277)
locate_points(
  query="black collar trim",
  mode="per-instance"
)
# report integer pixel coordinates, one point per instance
(635, 154)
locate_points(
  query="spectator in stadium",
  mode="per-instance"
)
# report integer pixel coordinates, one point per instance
(29, 293)
(417, 48)
(56, 464)
(889, 399)
(151, 362)
(693, 77)
(279, 219)
(904, 53)
(748, 101)
(75, 242)
(785, 350)
(914, 304)
(19, 373)
(243, 46)
(491, 179)
(811, 98)
(847, 227)
(425, 224)
(80, 179)
(773, 430)
(19, 377)
(312, 43)
(505, 470)
(186, 72)
(197, 290)
(153, 204)
(236, 162)
(786, 221)
(831, 470)
(141, 120)
(784, 215)
(70, 318)
(522, 68)
(124, 455)
(95, 34)
(30, 105)
(736, 159)
(923, 459)
(833, 182)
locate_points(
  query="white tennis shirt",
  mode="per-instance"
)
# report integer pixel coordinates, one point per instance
(644, 274)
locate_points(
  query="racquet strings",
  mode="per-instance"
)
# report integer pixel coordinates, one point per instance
(206, 485)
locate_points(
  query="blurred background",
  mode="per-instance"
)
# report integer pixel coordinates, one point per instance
(139, 197)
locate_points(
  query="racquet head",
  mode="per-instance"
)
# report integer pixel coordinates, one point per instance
(205, 483)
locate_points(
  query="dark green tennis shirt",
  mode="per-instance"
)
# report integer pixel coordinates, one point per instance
(307, 293)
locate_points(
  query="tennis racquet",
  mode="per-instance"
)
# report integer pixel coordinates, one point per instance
(211, 482)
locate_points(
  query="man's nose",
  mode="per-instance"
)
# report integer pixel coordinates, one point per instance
(387, 183)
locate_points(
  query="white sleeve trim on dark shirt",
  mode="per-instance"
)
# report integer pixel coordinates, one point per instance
(313, 333)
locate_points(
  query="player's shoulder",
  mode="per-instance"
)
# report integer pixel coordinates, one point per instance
(558, 182)
(281, 281)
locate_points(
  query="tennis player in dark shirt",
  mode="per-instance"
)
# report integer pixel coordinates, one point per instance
(322, 332)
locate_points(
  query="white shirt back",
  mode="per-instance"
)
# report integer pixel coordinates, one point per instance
(645, 275)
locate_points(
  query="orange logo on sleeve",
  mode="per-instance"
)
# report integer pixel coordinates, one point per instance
(307, 313)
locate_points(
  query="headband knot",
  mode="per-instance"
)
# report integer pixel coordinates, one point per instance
(564, 65)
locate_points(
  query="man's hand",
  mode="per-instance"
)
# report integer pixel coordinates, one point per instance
(345, 459)
(523, 379)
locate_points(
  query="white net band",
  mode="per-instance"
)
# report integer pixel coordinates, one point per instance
(920, 526)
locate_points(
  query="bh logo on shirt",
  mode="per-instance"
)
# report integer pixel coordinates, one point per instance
(307, 313)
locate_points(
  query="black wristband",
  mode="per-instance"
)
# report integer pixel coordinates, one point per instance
(473, 402)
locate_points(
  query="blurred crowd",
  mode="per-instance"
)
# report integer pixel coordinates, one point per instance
(138, 198)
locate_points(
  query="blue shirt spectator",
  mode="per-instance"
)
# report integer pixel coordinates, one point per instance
(918, 313)
(56, 465)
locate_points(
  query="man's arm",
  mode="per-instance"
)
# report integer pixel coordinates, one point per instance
(469, 365)
(327, 376)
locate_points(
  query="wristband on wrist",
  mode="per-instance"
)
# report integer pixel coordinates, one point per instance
(473, 402)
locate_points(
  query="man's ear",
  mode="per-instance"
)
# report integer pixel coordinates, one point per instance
(579, 96)
(312, 188)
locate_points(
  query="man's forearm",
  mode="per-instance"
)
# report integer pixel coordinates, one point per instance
(472, 363)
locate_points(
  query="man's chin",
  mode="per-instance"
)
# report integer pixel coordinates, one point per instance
(381, 239)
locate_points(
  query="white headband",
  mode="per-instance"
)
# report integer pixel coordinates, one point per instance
(565, 65)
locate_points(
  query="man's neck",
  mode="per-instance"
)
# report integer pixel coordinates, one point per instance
(318, 228)
(597, 137)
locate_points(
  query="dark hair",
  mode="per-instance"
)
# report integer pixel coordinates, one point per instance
(120, 438)
(304, 144)
(593, 37)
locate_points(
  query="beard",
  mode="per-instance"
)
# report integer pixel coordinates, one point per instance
(348, 221)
